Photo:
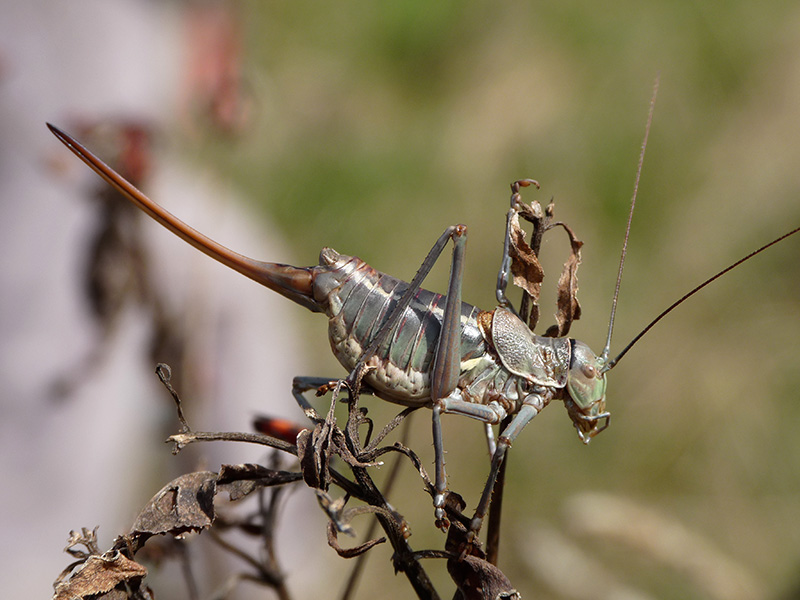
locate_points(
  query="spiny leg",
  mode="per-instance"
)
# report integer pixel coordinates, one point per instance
(488, 414)
(447, 359)
(491, 414)
(447, 365)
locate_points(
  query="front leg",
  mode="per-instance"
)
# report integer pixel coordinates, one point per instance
(505, 264)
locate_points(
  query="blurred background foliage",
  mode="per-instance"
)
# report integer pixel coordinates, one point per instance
(374, 126)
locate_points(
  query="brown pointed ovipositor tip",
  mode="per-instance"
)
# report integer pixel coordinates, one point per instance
(59, 134)
(97, 165)
(63, 137)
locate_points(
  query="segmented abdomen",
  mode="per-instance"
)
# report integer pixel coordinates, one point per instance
(358, 300)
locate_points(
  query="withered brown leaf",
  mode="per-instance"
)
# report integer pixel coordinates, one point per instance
(528, 273)
(99, 574)
(184, 504)
(569, 309)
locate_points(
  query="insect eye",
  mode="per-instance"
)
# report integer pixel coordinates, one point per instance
(589, 371)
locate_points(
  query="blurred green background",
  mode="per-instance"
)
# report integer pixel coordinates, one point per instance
(376, 125)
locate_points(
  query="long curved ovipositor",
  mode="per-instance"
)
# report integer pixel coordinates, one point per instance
(293, 282)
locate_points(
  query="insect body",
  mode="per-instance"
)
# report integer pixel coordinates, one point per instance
(501, 363)
(417, 348)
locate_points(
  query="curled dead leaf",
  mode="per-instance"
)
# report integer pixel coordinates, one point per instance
(525, 267)
(568, 307)
(100, 574)
(184, 504)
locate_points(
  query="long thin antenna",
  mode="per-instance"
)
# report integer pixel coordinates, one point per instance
(607, 349)
(672, 306)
